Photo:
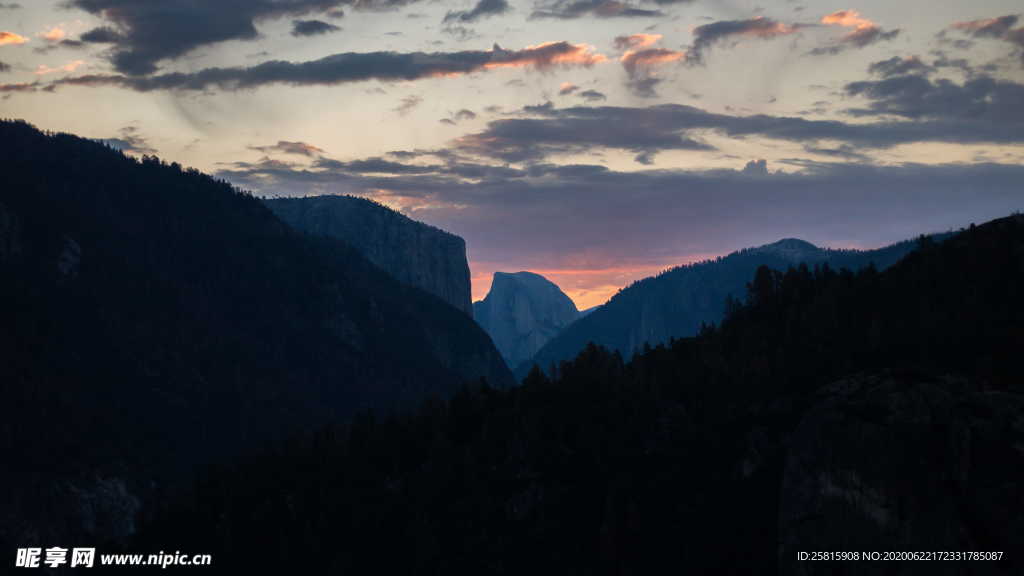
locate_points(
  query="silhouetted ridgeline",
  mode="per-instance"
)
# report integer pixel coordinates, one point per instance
(413, 252)
(521, 312)
(675, 303)
(833, 411)
(154, 318)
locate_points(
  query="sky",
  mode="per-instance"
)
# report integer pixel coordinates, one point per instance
(593, 141)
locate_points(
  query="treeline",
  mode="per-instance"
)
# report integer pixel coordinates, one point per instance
(670, 462)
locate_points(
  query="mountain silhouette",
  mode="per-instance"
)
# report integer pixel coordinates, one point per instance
(677, 302)
(521, 312)
(155, 318)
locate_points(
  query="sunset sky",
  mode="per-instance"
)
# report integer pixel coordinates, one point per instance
(593, 141)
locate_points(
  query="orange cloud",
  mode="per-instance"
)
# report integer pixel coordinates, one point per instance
(567, 88)
(645, 59)
(55, 34)
(69, 67)
(848, 19)
(11, 38)
(636, 41)
(544, 56)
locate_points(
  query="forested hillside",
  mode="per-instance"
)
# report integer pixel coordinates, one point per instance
(677, 302)
(155, 318)
(831, 410)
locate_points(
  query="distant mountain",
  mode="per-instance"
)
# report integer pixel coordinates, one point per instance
(522, 312)
(675, 303)
(155, 318)
(413, 252)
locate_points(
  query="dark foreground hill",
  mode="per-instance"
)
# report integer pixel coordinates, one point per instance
(413, 252)
(832, 412)
(675, 303)
(154, 318)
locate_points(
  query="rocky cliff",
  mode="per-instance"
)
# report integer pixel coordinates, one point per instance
(522, 312)
(413, 252)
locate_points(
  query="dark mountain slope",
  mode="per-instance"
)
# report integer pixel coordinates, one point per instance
(413, 252)
(675, 303)
(876, 411)
(154, 318)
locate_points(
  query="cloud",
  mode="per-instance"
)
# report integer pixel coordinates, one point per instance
(312, 27)
(483, 9)
(710, 34)
(640, 61)
(987, 28)
(982, 100)
(10, 38)
(43, 70)
(1000, 28)
(636, 41)
(459, 116)
(55, 34)
(864, 33)
(559, 217)
(101, 35)
(5, 67)
(18, 87)
(286, 147)
(572, 9)
(407, 104)
(567, 88)
(592, 96)
(152, 31)
(9, 5)
(130, 141)
(356, 67)
(897, 66)
(640, 67)
(544, 130)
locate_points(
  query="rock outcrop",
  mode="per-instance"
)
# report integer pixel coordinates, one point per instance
(412, 252)
(522, 312)
(903, 463)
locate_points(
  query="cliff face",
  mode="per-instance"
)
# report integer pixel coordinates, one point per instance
(522, 312)
(410, 251)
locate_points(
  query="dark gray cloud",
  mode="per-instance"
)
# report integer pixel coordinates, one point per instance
(9, 5)
(151, 31)
(352, 67)
(982, 100)
(592, 96)
(101, 35)
(1001, 28)
(544, 130)
(459, 116)
(130, 140)
(708, 35)
(897, 66)
(989, 28)
(5, 67)
(408, 104)
(287, 147)
(312, 27)
(572, 9)
(483, 9)
(550, 216)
